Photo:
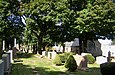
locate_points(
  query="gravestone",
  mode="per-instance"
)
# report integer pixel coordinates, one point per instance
(11, 55)
(1, 67)
(5, 58)
(81, 62)
(105, 46)
(94, 47)
(101, 59)
(51, 55)
(14, 52)
(43, 53)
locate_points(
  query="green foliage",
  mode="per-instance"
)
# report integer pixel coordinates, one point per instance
(97, 18)
(57, 60)
(90, 59)
(107, 68)
(71, 64)
(67, 54)
(62, 57)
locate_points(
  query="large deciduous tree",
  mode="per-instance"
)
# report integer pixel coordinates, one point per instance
(42, 17)
(11, 24)
(97, 19)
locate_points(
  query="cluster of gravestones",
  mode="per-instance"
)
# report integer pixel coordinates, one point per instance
(6, 62)
(81, 60)
(49, 54)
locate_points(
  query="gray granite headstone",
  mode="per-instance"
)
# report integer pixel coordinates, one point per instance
(5, 58)
(81, 62)
(1, 67)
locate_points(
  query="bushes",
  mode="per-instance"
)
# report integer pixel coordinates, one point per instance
(71, 63)
(90, 59)
(108, 68)
(62, 57)
(57, 60)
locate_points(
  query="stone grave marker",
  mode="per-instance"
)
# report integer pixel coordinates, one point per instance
(101, 59)
(14, 52)
(1, 67)
(81, 62)
(11, 55)
(51, 55)
(5, 58)
(43, 53)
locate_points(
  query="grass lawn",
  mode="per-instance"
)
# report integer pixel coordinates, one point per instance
(34, 65)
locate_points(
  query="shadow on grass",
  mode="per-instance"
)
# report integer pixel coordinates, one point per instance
(20, 69)
(24, 55)
(47, 71)
(95, 71)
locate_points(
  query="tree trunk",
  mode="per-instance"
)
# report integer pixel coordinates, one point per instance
(40, 44)
(84, 45)
(44, 48)
(39, 48)
(80, 46)
(34, 49)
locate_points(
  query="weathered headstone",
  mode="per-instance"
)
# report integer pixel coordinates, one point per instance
(81, 62)
(51, 55)
(5, 58)
(43, 53)
(1, 67)
(14, 52)
(94, 47)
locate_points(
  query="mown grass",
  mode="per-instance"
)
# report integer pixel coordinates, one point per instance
(34, 65)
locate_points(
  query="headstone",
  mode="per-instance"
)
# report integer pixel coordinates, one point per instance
(94, 47)
(1, 67)
(105, 46)
(51, 55)
(14, 52)
(101, 59)
(11, 55)
(43, 53)
(5, 58)
(81, 62)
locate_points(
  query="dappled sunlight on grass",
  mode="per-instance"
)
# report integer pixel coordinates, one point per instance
(44, 66)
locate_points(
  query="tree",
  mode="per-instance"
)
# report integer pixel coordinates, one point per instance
(42, 17)
(11, 24)
(96, 19)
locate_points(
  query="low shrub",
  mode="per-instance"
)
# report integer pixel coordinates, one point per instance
(57, 60)
(71, 63)
(90, 59)
(66, 54)
(108, 68)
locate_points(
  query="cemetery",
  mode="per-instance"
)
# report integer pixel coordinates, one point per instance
(57, 37)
